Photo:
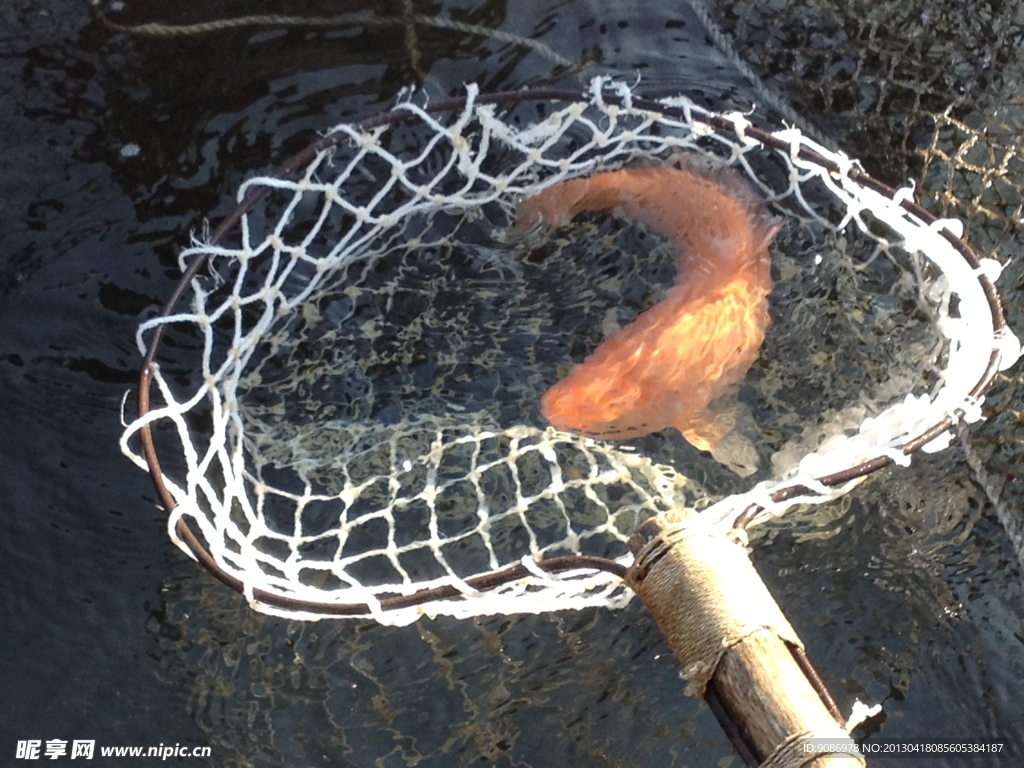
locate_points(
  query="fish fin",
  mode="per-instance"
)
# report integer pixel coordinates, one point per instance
(766, 232)
(717, 433)
(736, 450)
(705, 430)
(764, 225)
(610, 324)
(704, 437)
(738, 453)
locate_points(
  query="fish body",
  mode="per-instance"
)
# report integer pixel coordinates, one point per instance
(673, 365)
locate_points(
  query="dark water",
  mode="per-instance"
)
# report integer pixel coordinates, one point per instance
(907, 592)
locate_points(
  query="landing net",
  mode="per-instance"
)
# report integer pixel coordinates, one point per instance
(344, 420)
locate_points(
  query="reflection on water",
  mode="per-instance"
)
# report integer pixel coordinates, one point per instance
(908, 591)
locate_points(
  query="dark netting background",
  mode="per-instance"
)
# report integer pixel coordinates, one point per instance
(929, 93)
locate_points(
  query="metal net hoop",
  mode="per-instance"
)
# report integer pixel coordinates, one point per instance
(397, 516)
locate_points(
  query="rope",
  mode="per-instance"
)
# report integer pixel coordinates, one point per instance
(800, 749)
(357, 18)
(721, 598)
(768, 97)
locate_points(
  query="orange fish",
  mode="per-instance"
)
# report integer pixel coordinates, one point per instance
(671, 366)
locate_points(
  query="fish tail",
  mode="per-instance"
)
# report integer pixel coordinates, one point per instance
(553, 207)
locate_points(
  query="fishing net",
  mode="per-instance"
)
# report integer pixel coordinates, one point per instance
(370, 336)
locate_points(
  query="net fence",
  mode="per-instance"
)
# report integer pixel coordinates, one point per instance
(929, 92)
(363, 434)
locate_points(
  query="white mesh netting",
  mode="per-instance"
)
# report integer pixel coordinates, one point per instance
(370, 348)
